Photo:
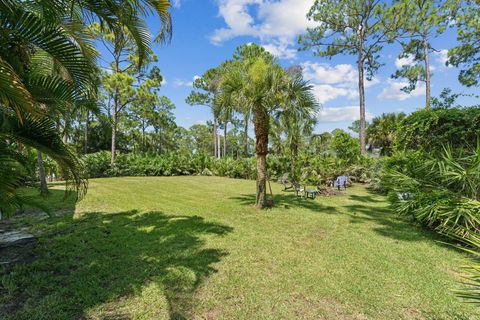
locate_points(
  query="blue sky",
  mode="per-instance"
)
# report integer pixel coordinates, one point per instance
(206, 32)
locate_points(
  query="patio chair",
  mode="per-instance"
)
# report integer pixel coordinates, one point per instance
(302, 191)
(286, 183)
(299, 190)
(341, 182)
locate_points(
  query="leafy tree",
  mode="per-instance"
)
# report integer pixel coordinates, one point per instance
(148, 109)
(446, 100)
(422, 21)
(355, 126)
(162, 121)
(320, 143)
(205, 89)
(467, 53)
(350, 27)
(202, 136)
(382, 131)
(344, 145)
(126, 84)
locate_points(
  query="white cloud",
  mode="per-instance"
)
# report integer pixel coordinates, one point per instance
(326, 73)
(333, 81)
(281, 50)
(326, 92)
(275, 23)
(441, 57)
(176, 3)
(346, 114)
(405, 61)
(393, 91)
(185, 83)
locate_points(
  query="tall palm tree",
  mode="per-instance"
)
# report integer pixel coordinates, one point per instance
(381, 133)
(263, 87)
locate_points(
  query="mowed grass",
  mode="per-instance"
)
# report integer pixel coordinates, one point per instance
(195, 248)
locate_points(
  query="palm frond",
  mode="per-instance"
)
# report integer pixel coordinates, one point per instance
(13, 92)
(42, 135)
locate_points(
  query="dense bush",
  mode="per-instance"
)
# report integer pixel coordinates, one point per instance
(471, 292)
(440, 191)
(430, 130)
(345, 146)
(316, 170)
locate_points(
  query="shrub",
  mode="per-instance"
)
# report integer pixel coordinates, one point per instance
(430, 130)
(345, 146)
(471, 292)
(97, 164)
(315, 170)
(441, 192)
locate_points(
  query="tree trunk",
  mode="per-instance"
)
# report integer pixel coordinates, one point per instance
(143, 135)
(65, 129)
(114, 137)
(261, 123)
(294, 152)
(214, 136)
(427, 74)
(41, 174)
(225, 139)
(245, 127)
(87, 123)
(219, 147)
(361, 93)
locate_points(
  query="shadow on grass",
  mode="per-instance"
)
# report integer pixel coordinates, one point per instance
(364, 199)
(100, 259)
(289, 201)
(389, 223)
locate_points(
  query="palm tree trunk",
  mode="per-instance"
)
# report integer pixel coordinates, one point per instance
(427, 73)
(261, 123)
(361, 93)
(245, 126)
(41, 174)
(294, 152)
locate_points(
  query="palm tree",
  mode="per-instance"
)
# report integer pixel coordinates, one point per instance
(381, 133)
(263, 88)
(298, 117)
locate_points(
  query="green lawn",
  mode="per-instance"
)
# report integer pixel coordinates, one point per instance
(195, 248)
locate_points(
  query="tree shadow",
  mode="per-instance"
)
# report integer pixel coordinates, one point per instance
(289, 201)
(390, 224)
(364, 199)
(102, 258)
